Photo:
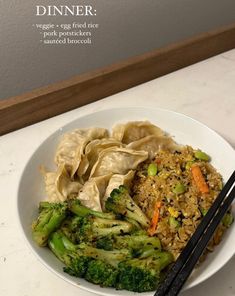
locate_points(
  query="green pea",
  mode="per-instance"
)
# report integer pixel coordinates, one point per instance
(179, 188)
(152, 169)
(189, 164)
(228, 219)
(173, 222)
(201, 155)
(203, 211)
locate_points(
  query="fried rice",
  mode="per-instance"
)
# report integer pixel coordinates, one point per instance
(180, 211)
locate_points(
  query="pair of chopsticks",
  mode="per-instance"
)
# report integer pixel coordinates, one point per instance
(187, 260)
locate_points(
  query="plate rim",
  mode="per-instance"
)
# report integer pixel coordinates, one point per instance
(59, 130)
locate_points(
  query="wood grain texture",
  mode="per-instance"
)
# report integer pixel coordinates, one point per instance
(43, 103)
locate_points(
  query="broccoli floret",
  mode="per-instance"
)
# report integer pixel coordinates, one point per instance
(51, 215)
(163, 258)
(70, 254)
(92, 228)
(78, 258)
(105, 243)
(142, 275)
(135, 278)
(114, 268)
(79, 265)
(120, 202)
(70, 228)
(77, 208)
(113, 257)
(76, 263)
(101, 273)
(139, 242)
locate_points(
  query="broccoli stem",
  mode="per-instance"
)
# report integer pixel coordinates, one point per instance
(45, 205)
(68, 253)
(56, 244)
(135, 213)
(104, 227)
(82, 211)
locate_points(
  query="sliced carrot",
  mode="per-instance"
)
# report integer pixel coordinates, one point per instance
(158, 160)
(199, 179)
(155, 219)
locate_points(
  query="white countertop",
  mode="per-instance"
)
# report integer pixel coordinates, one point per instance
(204, 91)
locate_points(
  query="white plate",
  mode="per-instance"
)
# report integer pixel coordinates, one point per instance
(185, 130)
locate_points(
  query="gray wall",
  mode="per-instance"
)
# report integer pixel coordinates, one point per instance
(127, 28)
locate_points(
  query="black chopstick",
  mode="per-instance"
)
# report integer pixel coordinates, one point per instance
(196, 238)
(190, 264)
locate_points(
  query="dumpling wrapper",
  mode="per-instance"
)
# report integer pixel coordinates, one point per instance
(115, 160)
(93, 191)
(92, 151)
(115, 181)
(135, 130)
(71, 147)
(152, 144)
(59, 186)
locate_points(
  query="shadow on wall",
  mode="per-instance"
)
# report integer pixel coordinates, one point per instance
(119, 29)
